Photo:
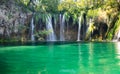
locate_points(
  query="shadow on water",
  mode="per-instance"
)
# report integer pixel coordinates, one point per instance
(4, 68)
(37, 43)
(45, 43)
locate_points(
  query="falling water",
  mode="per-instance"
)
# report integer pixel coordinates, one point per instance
(62, 25)
(79, 28)
(32, 30)
(90, 25)
(51, 36)
(118, 36)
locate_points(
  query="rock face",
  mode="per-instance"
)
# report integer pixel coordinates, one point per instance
(12, 20)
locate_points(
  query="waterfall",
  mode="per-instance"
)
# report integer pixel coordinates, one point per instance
(62, 25)
(118, 36)
(51, 36)
(79, 28)
(32, 30)
(90, 26)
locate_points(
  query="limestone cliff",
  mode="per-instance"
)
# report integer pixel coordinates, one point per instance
(12, 20)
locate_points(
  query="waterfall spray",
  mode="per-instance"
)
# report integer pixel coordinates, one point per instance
(51, 36)
(62, 25)
(32, 30)
(79, 28)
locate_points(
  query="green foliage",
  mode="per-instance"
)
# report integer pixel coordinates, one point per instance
(40, 16)
(112, 3)
(9, 40)
(51, 5)
(92, 13)
(25, 2)
(67, 16)
(70, 6)
(117, 25)
(110, 35)
(42, 33)
(90, 30)
(39, 5)
(91, 27)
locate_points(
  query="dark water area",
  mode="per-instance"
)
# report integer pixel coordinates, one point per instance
(60, 58)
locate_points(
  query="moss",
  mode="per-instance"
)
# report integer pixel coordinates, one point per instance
(92, 13)
(110, 35)
(117, 25)
(9, 40)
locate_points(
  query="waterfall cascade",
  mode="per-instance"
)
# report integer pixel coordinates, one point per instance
(32, 29)
(52, 28)
(90, 28)
(62, 26)
(51, 36)
(79, 28)
(118, 35)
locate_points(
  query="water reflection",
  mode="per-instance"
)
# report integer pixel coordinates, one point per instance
(118, 48)
(81, 58)
(117, 45)
(97, 58)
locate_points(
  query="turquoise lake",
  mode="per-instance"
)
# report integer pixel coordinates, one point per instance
(61, 58)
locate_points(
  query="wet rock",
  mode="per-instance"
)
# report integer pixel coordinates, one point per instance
(12, 18)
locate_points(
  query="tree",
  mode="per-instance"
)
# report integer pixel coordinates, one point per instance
(40, 5)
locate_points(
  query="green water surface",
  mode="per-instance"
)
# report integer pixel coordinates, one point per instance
(72, 58)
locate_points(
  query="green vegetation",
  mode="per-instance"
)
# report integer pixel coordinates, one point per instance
(102, 12)
(39, 5)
